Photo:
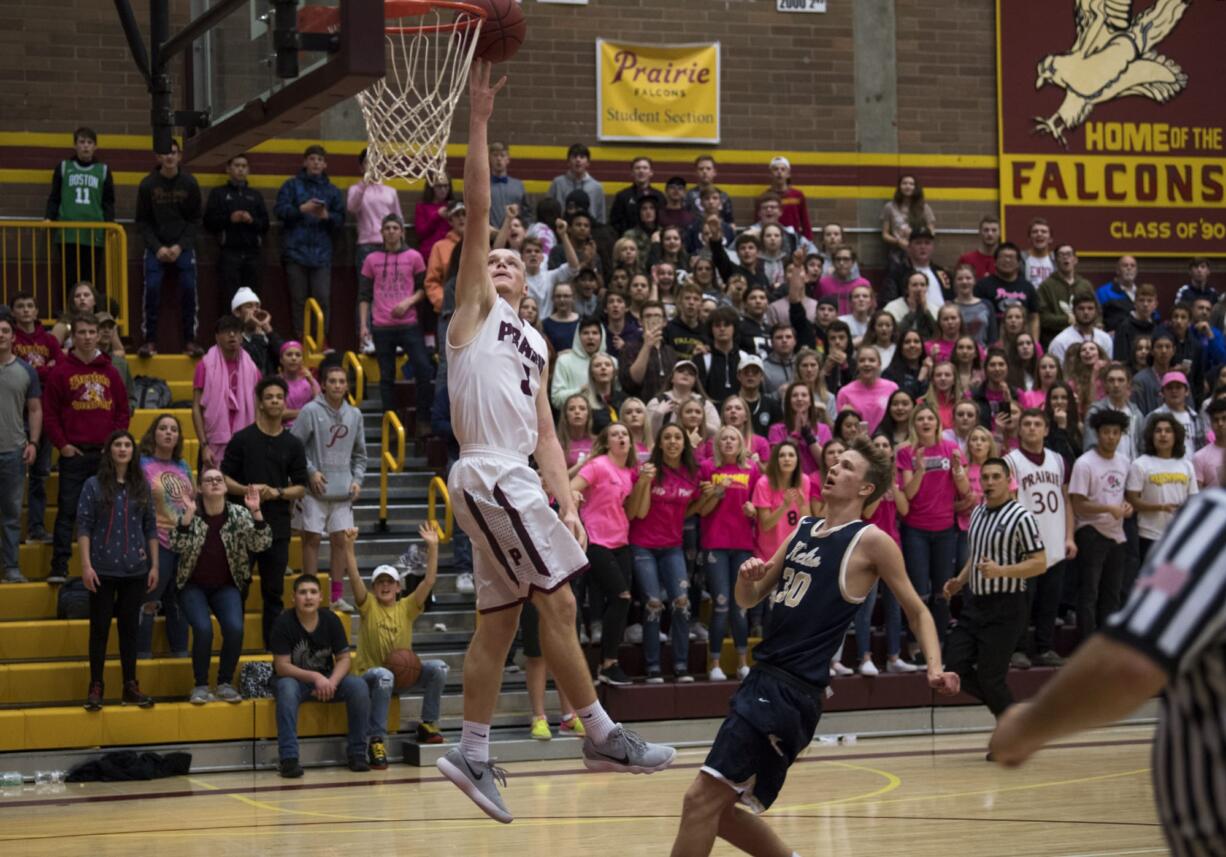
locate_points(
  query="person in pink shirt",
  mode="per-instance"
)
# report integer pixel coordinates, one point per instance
(602, 487)
(1048, 374)
(430, 221)
(1209, 460)
(980, 446)
(802, 425)
(575, 432)
(839, 282)
(943, 393)
(301, 384)
(869, 393)
(665, 493)
(968, 360)
(781, 498)
(734, 412)
(934, 477)
(884, 513)
(369, 202)
(634, 417)
(949, 329)
(727, 539)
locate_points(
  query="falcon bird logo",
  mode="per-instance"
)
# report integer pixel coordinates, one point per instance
(1114, 56)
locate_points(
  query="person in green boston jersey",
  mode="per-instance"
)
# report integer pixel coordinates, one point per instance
(82, 190)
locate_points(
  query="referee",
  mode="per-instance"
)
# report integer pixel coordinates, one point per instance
(1005, 550)
(1170, 636)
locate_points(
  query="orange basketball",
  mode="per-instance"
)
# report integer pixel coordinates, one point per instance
(405, 667)
(503, 31)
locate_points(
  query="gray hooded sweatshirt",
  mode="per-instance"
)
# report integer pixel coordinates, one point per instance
(335, 444)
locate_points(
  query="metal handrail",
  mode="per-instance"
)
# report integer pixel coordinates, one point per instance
(312, 343)
(357, 390)
(438, 486)
(31, 260)
(389, 463)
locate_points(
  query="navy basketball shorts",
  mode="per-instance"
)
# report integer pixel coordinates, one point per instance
(771, 722)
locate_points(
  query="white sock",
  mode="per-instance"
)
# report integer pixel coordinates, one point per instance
(475, 741)
(596, 721)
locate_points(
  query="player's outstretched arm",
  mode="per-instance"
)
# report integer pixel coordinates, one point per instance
(887, 559)
(475, 293)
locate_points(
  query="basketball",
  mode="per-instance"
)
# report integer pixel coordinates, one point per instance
(405, 666)
(503, 31)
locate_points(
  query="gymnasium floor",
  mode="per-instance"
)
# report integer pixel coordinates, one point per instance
(901, 796)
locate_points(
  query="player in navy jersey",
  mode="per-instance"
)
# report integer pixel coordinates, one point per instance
(817, 580)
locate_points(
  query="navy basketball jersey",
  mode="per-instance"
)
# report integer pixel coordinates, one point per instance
(810, 614)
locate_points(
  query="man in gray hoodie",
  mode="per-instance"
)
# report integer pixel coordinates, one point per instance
(332, 431)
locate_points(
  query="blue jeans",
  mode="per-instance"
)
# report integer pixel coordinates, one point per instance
(154, 270)
(167, 595)
(929, 555)
(722, 567)
(661, 571)
(226, 602)
(12, 480)
(864, 618)
(410, 339)
(291, 693)
(36, 498)
(380, 682)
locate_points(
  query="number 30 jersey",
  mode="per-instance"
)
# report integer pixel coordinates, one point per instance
(811, 611)
(493, 380)
(1040, 488)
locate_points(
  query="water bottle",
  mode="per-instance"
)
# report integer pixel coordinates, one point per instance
(49, 778)
(847, 740)
(11, 779)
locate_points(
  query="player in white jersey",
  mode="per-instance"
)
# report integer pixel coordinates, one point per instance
(1042, 487)
(522, 549)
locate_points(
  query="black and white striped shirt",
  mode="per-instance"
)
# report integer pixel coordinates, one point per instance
(1177, 616)
(1006, 535)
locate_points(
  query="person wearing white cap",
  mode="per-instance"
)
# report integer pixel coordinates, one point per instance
(795, 206)
(387, 624)
(260, 341)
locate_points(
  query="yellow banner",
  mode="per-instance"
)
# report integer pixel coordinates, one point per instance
(667, 93)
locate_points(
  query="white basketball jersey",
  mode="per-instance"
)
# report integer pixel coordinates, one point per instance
(493, 380)
(1040, 488)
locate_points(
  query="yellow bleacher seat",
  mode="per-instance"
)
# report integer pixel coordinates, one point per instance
(35, 559)
(142, 418)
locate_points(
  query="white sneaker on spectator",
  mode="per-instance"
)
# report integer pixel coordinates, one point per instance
(368, 346)
(898, 665)
(597, 633)
(698, 631)
(869, 668)
(716, 674)
(837, 668)
(199, 696)
(13, 575)
(742, 673)
(664, 638)
(634, 634)
(464, 583)
(228, 693)
(342, 606)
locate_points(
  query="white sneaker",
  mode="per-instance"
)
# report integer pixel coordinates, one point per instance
(698, 631)
(664, 638)
(837, 668)
(368, 346)
(464, 583)
(633, 634)
(869, 668)
(597, 633)
(716, 674)
(898, 665)
(342, 606)
(741, 673)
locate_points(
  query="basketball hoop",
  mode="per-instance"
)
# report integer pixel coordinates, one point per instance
(430, 46)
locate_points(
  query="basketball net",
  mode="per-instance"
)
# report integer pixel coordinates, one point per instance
(408, 113)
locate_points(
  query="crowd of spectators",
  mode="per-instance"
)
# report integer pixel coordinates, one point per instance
(704, 373)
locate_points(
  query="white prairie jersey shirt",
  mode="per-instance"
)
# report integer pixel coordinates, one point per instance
(1040, 488)
(493, 380)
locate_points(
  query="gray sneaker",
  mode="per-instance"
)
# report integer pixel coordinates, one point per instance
(199, 695)
(477, 780)
(627, 752)
(227, 693)
(13, 575)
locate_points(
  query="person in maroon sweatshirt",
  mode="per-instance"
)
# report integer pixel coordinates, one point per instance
(34, 344)
(83, 402)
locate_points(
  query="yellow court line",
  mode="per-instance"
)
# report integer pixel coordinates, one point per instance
(258, 804)
(893, 781)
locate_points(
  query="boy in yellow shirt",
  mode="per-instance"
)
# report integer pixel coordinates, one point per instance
(387, 624)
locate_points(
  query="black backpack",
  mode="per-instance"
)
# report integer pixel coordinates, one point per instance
(73, 600)
(149, 392)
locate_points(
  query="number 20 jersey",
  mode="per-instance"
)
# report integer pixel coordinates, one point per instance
(493, 380)
(811, 611)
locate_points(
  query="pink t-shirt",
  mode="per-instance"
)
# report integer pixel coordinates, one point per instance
(301, 392)
(370, 202)
(1207, 465)
(727, 527)
(665, 520)
(578, 448)
(932, 507)
(1035, 398)
(1100, 480)
(831, 286)
(779, 433)
(232, 372)
(759, 446)
(885, 516)
(868, 402)
(604, 507)
(766, 497)
(972, 476)
(393, 277)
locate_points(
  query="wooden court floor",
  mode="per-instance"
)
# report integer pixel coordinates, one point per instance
(904, 796)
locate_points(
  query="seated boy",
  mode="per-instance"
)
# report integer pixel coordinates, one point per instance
(387, 624)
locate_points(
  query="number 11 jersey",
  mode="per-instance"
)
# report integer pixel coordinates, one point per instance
(811, 611)
(493, 380)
